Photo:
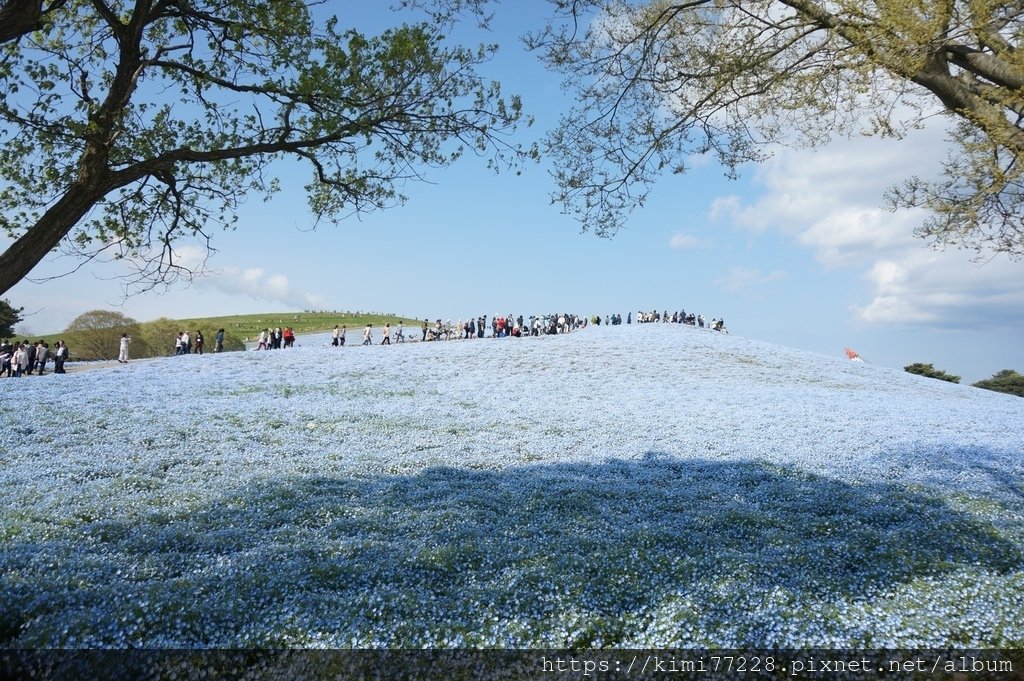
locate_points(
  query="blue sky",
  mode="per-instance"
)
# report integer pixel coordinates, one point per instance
(797, 252)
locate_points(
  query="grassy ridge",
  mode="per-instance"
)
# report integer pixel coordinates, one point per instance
(156, 338)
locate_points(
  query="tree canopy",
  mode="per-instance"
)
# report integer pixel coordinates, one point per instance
(658, 81)
(9, 318)
(97, 334)
(1005, 381)
(127, 127)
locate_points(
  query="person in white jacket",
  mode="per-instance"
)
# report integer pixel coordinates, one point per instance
(19, 361)
(122, 356)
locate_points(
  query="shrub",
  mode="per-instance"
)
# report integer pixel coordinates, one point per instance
(1005, 381)
(931, 372)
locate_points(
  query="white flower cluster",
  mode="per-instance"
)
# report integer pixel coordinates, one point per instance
(623, 486)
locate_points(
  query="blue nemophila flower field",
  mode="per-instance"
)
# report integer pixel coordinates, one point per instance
(627, 486)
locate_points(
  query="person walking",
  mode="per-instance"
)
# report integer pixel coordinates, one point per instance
(368, 335)
(42, 355)
(387, 334)
(334, 336)
(122, 356)
(341, 337)
(425, 326)
(218, 341)
(199, 342)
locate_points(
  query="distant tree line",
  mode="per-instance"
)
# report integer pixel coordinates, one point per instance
(1005, 381)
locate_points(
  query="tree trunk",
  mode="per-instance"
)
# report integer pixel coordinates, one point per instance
(18, 17)
(41, 238)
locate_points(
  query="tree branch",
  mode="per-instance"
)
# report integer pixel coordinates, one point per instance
(21, 17)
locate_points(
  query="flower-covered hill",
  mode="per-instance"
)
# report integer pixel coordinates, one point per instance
(652, 485)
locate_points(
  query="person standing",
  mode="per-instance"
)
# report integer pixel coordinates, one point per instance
(122, 356)
(218, 341)
(341, 336)
(19, 360)
(199, 342)
(30, 354)
(186, 343)
(334, 336)
(60, 355)
(425, 325)
(6, 352)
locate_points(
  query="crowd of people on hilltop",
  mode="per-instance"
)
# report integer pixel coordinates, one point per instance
(25, 358)
(680, 317)
(502, 326)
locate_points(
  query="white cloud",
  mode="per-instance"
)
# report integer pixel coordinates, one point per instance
(190, 257)
(258, 284)
(944, 289)
(829, 201)
(684, 242)
(852, 235)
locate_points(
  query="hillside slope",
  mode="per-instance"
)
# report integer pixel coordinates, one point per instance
(651, 485)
